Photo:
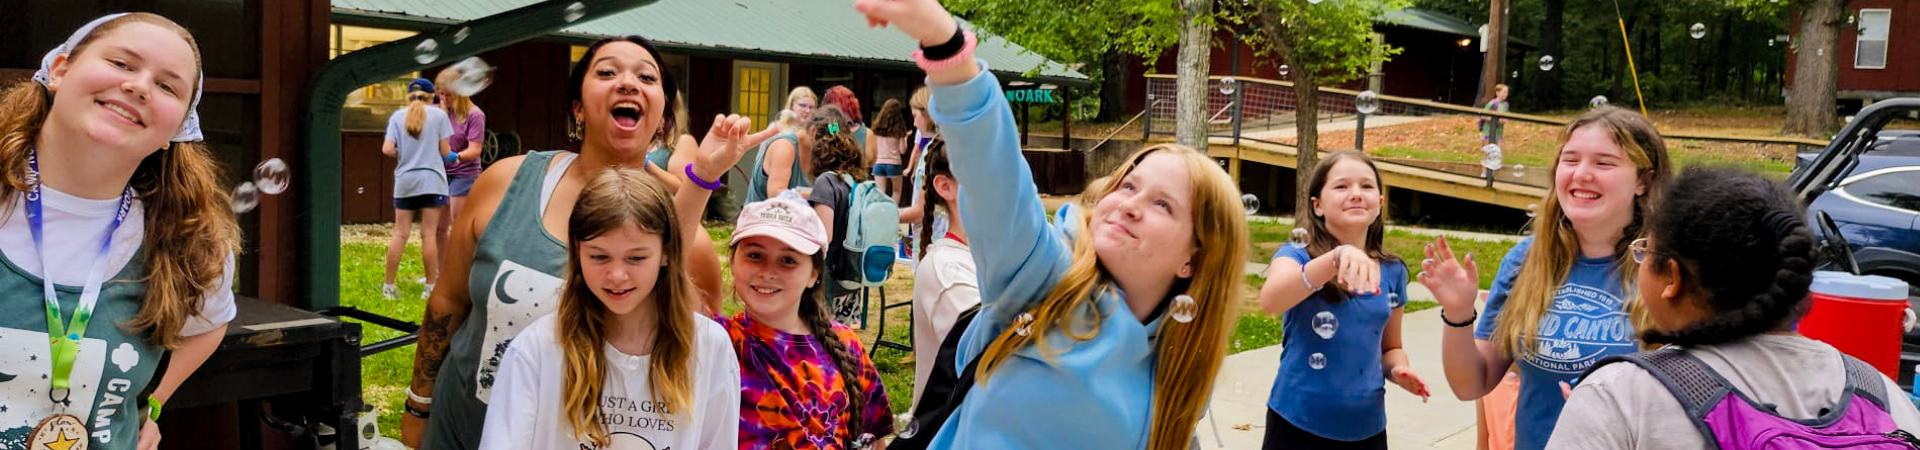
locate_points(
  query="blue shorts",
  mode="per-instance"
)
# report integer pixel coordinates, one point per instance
(459, 186)
(887, 170)
(419, 202)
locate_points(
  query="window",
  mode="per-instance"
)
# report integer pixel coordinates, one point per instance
(1870, 47)
(367, 108)
(756, 85)
(1899, 189)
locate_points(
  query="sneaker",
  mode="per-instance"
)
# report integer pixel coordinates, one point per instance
(427, 292)
(389, 291)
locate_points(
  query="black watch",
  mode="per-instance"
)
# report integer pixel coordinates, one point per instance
(417, 412)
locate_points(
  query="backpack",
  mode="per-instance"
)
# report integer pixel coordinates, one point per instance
(946, 389)
(1731, 421)
(873, 228)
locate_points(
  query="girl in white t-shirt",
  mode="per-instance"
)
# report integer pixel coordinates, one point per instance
(944, 283)
(626, 362)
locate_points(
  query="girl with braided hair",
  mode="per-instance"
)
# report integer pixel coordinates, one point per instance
(1726, 288)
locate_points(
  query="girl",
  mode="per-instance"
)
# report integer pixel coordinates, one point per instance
(835, 154)
(626, 359)
(891, 131)
(619, 94)
(1339, 341)
(1113, 342)
(418, 136)
(806, 382)
(842, 97)
(924, 132)
(947, 284)
(118, 242)
(469, 133)
(786, 150)
(800, 101)
(1725, 289)
(1558, 308)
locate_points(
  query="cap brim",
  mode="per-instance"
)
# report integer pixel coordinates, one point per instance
(792, 239)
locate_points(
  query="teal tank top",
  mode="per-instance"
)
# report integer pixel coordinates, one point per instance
(757, 186)
(111, 374)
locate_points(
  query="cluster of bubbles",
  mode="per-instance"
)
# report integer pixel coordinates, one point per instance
(428, 50)
(270, 177)
(1367, 102)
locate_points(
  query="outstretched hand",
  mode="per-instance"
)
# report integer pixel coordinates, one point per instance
(726, 142)
(1409, 380)
(923, 20)
(1455, 282)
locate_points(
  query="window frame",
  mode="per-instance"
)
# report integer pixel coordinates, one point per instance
(1860, 36)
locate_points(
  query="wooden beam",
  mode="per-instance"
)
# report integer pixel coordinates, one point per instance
(1511, 195)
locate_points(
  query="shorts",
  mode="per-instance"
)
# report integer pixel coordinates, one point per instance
(887, 170)
(459, 186)
(419, 202)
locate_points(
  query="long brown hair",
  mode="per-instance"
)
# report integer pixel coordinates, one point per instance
(893, 121)
(1190, 353)
(417, 112)
(1321, 240)
(614, 198)
(835, 152)
(190, 230)
(1556, 247)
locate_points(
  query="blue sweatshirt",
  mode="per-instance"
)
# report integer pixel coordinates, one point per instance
(1090, 394)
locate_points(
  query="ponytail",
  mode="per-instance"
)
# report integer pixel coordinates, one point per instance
(848, 361)
(417, 112)
(935, 157)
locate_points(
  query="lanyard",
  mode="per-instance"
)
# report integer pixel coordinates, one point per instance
(66, 340)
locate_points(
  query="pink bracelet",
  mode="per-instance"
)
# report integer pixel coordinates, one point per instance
(964, 56)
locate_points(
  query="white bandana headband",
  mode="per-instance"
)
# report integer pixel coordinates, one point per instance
(189, 129)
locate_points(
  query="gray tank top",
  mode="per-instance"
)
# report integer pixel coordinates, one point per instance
(515, 278)
(757, 186)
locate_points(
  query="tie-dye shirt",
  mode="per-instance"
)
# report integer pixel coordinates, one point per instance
(792, 395)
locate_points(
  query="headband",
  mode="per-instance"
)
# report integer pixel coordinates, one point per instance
(189, 129)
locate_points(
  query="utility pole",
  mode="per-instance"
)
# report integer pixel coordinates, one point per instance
(1496, 50)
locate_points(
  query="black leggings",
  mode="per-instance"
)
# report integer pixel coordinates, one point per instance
(1281, 435)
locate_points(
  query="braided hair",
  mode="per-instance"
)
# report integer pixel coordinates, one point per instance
(813, 311)
(1755, 232)
(936, 160)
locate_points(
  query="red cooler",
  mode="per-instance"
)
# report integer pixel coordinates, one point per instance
(1862, 315)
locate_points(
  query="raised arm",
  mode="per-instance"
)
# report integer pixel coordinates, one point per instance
(725, 144)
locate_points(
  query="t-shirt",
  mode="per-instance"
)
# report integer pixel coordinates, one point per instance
(1621, 406)
(472, 129)
(1492, 128)
(944, 285)
(1588, 321)
(527, 411)
(830, 191)
(1330, 381)
(421, 171)
(793, 396)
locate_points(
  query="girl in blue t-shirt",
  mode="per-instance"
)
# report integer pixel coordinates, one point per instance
(1558, 310)
(1340, 341)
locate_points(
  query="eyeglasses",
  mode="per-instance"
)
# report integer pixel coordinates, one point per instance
(1639, 250)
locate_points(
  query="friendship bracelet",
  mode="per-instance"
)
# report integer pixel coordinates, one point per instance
(925, 58)
(153, 409)
(703, 184)
(1308, 283)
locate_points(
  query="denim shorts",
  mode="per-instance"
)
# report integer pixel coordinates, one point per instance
(419, 202)
(887, 170)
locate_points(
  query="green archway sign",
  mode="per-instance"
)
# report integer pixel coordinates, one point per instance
(321, 163)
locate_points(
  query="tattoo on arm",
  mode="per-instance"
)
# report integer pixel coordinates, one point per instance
(435, 330)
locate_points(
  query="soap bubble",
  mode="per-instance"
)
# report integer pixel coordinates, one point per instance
(1284, 70)
(1699, 30)
(1490, 156)
(245, 198)
(1228, 85)
(575, 11)
(1367, 102)
(426, 52)
(1250, 203)
(1325, 324)
(1299, 236)
(1023, 324)
(475, 75)
(1317, 361)
(461, 36)
(1546, 63)
(271, 176)
(1597, 101)
(1532, 210)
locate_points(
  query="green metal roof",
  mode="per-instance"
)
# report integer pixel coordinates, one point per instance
(810, 30)
(1430, 20)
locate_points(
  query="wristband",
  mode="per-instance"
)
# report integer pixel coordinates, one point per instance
(947, 49)
(153, 409)
(417, 412)
(703, 184)
(1308, 283)
(416, 398)
(926, 61)
(1469, 322)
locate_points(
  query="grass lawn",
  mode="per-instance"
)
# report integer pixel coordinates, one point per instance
(1268, 236)
(384, 377)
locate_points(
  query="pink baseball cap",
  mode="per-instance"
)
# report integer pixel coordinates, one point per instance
(786, 218)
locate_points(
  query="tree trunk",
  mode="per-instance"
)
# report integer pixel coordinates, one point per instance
(1196, 39)
(1546, 94)
(1816, 70)
(1306, 126)
(1113, 86)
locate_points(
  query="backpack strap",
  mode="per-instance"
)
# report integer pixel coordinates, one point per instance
(1863, 380)
(1694, 384)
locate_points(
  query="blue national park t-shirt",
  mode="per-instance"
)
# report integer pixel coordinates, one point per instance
(1588, 321)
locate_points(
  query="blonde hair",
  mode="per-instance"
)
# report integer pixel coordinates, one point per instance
(190, 230)
(417, 112)
(457, 105)
(799, 93)
(1190, 353)
(923, 97)
(614, 198)
(1556, 246)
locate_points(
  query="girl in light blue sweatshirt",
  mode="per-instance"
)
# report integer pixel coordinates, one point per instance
(1110, 341)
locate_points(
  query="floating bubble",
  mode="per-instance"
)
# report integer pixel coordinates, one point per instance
(1367, 102)
(1228, 85)
(475, 75)
(1770, 41)
(245, 197)
(1316, 2)
(1250, 202)
(426, 52)
(1532, 210)
(1298, 236)
(461, 36)
(1023, 324)
(1183, 309)
(1284, 70)
(910, 430)
(1519, 170)
(1490, 156)
(1516, 74)
(1317, 361)
(575, 11)
(1699, 30)
(1546, 63)
(360, 190)
(271, 176)
(1597, 101)
(1325, 324)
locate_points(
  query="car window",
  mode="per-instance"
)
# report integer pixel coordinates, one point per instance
(1899, 189)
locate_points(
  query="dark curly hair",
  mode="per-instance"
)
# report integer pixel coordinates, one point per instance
(834, 149)
(1743, 245)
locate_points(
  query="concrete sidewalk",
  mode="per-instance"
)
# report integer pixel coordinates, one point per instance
(1442, 423)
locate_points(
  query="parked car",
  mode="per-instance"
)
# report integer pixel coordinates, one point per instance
(1867, 182)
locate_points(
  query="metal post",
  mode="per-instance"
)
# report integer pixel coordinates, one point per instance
(1239, 113)
(1146, 129)
(1360, 132)
(1066, 121)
